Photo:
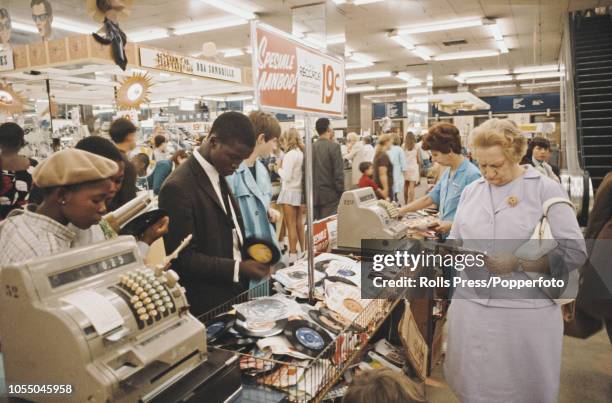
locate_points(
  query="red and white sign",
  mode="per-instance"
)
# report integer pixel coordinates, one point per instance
(291, 76)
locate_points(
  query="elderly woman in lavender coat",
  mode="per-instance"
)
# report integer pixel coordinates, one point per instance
(504, 345)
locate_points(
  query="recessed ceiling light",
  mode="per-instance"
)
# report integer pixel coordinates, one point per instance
(232, 52)
(483, 73)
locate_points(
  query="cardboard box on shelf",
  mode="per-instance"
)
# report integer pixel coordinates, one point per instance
(414, 343)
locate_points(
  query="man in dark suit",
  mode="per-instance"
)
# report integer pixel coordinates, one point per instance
(199, 202)
(328, 171)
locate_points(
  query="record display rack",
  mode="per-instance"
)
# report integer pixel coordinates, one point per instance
(312, 380)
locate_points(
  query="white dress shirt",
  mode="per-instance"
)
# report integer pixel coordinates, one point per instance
(215, 178)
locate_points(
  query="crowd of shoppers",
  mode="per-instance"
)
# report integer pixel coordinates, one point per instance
(222, 195)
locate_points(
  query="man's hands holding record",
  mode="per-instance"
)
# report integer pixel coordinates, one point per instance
(254, 270)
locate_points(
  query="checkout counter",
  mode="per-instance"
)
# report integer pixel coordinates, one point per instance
(106, 327)
(362, 216)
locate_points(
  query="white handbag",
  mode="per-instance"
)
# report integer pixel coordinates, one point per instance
(541, 243)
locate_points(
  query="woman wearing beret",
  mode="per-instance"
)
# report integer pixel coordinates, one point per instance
(75, 185)
(504, 344)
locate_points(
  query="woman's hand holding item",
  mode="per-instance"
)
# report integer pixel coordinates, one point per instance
(501, 263)
(442, 227)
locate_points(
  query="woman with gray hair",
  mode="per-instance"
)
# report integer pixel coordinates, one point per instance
(355, 154)
(504, 344)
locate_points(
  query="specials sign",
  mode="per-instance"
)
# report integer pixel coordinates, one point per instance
(291, 76)
(162, 60)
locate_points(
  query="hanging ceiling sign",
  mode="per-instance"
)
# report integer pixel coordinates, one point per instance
(175, 63)
(290, 76)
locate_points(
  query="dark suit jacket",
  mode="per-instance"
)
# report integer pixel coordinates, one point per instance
(206, 266)
(328, 172)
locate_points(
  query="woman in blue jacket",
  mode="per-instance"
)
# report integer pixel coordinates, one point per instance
(251, 182)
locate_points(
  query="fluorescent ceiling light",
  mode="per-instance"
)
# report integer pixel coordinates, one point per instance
(361, 58)
(401, 40)
(225, 6)
(496, 87)
(367, 76)
(73, 26)
(422, 54)
(362, 2)
(144, 36)
(354, 66)
(417, 91)
(214, 99)
(441, 26)
(336, 39)
(535, 76)
(209, 26)
(406, 77)
(362, 88)
(466, 55)
(380, 96)
(476, 80)
(339, 1)
(535, 69)
(19, 26)
(233, 53)
(239, 98)
(541, 85)
(392, 86)
(482, 73)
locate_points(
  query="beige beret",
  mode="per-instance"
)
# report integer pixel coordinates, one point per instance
(71, 167)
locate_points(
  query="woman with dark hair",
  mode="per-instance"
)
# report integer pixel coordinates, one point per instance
(537, 155)
(383, 168)
(160, 152)
(444, 141)
(164, 168)
(15, 169)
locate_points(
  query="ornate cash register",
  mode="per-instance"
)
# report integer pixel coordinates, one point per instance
(362, 216)
(97, 319)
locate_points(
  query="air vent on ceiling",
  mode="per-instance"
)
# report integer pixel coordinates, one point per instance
(455, 43)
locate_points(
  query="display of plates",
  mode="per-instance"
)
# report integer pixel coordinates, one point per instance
(137, 226)
(260, 329)
(262, 251)
(307, 337)
(219, 326)
(339, 279)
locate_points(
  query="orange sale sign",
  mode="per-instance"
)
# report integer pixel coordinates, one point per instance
(294, 77)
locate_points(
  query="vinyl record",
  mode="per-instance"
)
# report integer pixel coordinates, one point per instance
(219, 326)
(322, 265)
(339, 279)
(325, 321)
(307, 337)
(261, 329)
(137, 226)
(237, 341)
(262, 251)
